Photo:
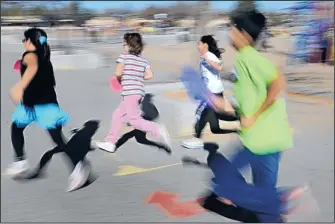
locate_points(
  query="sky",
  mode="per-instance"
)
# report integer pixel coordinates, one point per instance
(218, 5)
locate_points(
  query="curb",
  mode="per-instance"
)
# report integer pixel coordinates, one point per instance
(320, 99)
(76, 62)
(66, 68)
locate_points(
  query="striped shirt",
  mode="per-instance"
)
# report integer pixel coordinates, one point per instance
(132, 79)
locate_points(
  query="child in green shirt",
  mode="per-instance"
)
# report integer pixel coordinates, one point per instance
(265, 130)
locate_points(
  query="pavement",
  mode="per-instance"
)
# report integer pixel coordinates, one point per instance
(128, 177)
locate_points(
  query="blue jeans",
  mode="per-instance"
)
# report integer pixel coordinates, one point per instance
(262, 197)
(264, 168)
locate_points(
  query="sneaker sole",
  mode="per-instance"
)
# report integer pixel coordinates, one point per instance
(98, 147)
(166, 138)
(105, 150)
(13, 175)
(81, 182)
(192, 147)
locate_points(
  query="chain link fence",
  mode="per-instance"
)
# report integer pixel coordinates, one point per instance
(168, 49)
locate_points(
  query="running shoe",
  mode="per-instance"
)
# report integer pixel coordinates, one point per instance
(300, 205)
(193, 143)
(164, 134)
(17, 168)
(106, 146)
(79, 176)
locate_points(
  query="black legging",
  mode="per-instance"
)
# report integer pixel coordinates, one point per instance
(211, 202)
(18, 140)
(207, 114)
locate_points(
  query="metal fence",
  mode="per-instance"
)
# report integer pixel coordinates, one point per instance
(167, 48)
(70, 38)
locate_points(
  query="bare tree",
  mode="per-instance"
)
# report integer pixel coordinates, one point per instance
(244, 6)
(74, 8)
(12, 8)
(205, 16)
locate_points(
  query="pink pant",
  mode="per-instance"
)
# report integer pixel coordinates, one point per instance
(129, 112)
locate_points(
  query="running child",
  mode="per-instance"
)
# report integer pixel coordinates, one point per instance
(210, 68)
(265, 131)
(131, 71)
(36, 101)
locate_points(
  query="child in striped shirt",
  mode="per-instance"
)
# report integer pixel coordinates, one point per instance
(131, 71)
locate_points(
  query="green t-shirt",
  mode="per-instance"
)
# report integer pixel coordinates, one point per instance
(271, 131)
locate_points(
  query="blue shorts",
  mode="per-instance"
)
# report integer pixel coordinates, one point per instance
(47, 116)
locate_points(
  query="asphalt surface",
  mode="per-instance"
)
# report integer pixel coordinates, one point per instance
(86, 96)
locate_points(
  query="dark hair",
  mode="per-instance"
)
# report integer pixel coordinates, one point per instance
(38, 38)
(134, 42)
(252, 22)
(212, 45)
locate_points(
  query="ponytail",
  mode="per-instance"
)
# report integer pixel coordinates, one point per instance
(38, 37)
(47, 52)
(44, 48)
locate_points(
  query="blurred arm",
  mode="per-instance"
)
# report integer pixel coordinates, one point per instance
(274, 89)
(32, 65)
(119, 66)
(119, 70)
(148, 74)
(217, 65)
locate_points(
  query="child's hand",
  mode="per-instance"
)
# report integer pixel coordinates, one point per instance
(118, 78)
(16, 94)
(248, 122)
(148, 74)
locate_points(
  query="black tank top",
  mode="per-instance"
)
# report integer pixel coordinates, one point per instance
(41, 89)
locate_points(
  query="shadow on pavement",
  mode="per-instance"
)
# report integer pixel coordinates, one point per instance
(75, 150)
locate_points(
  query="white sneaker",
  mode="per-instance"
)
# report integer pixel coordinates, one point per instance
(79, 176)
(17, 168)
(106, 146)
(164, 135)
(193, 143)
